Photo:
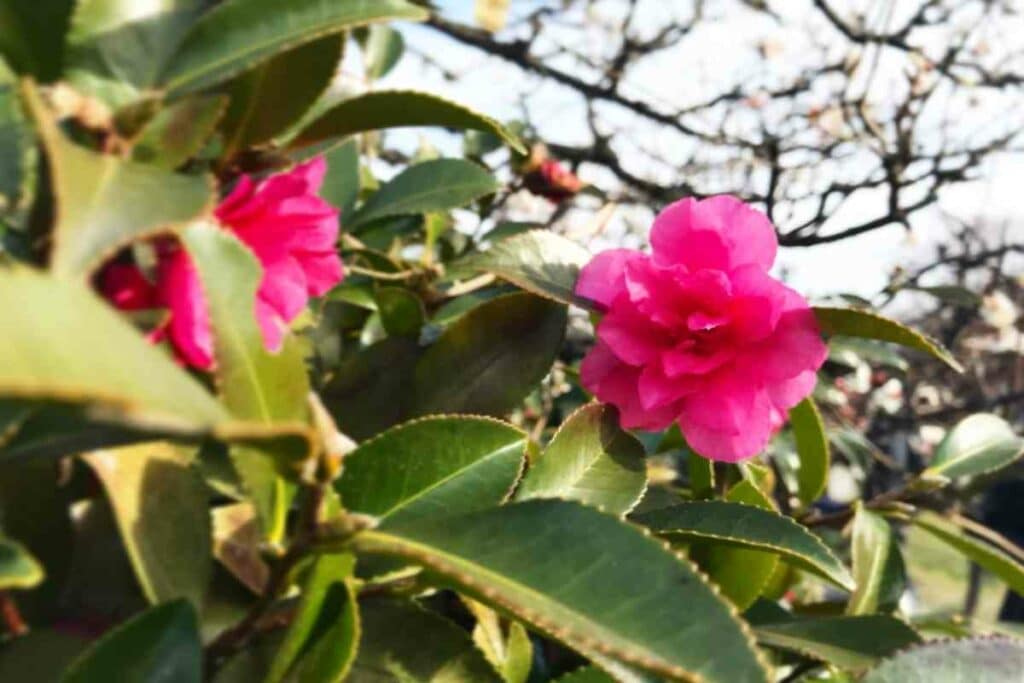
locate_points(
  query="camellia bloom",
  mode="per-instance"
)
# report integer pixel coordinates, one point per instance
(699, 333)
(552, 180)
(290, 230)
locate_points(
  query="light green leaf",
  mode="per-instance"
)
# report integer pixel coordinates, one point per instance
(511, 656)
(812, 449)
(401, 311)
(594, 582)
(18, 569)
(404, 643)
(159, 502)
(382, 48)
(877, 564)
(103, 203)
(436, 185)
(341, 184)
(178, 131)
(592, 460)
(1006, 563)
(749, 527)
(853, 322)
(32, 36)
(970, 660)
(161, 644)
(321, 642)
(434, 466)
(538, 261)
(978, 444)
(238, 35)
(491, 358)
(398, 109)
(847, 642)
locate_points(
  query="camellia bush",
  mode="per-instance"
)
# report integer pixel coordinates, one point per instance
(278, 406)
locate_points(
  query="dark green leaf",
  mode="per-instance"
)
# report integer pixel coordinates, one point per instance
(852, 322)
(971, 660)
(587, 674)
(41, 655)
(978, 444)
(598, 584)
(490, 359)
(341, 184)
(159, 502)
(436, 185)
(749, 527)
(178, 132)
(877, 564)
(401, 312)
(434, 466)
(592, 460)
(16, 153)
(1008, 565)
(32, 36)
(812, 449)
(161, 644)
(398, 109)
(847, 642)
(238, 35)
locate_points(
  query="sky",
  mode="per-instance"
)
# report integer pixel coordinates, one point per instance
(859, 265)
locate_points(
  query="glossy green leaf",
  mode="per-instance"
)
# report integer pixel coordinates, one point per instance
(749, 527)
(159, 502)
(382, 48)
(539, 261)
(18, 569)
(257, 385)
(978, 444)
(178, 131)
(511, 656)
(161, 644)
(341, 184)
(321, 642)
(592, 460)
(970, 660)
(436, 185)
(32, 36)
(1008, 565)
(268, 100)
(877, 564)
(848, 642)
(401, 311)
(238, 35)
(812, 449)
(594, 582)
(434, 466)
(103, 202)
(403, 642)
(398, 109)
(491, 358)
(853, 322)
(110, 367)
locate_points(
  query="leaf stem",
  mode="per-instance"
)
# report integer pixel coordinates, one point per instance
(12, 619)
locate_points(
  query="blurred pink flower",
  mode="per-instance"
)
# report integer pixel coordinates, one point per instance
(552, 180)
(699, 333)
(290, 230)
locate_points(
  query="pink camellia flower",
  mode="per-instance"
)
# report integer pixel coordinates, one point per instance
(699, 333)
(552, 180)
(290, 230)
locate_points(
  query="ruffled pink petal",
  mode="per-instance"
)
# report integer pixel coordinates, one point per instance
(614, 382)
(794, 347)
(272, 326)
(630, 337)
(323, 270)
(603, 279)
(727, 423)
(189, 325)
(718, 232)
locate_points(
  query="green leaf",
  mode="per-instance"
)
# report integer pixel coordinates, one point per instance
(161, 644)
(1008, 565)
(749, 527)
(103, 203)
(491, 358)
(812, 449)
(538, 261)
(586, 674)
(41, 655)
(32, 36)
(403, 642)
(978, 444)
(382, 48)
(398, 109)
(178, 131)
(108, 367)
(970, 660)
(592, 460)
(18, 569)
(17, 147)
(877, 564)
(321, 641)
(594, 582)
(853, 322)
(847, 642)
(952, 294)
(238, 35)
(257, 385)
(268, 100)
(433, 466)
(401, 311)
(159, 502)
(341, 184)
(436, 185)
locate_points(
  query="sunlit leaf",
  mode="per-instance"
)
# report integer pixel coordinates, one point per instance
(812, 449)
(977, 444)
